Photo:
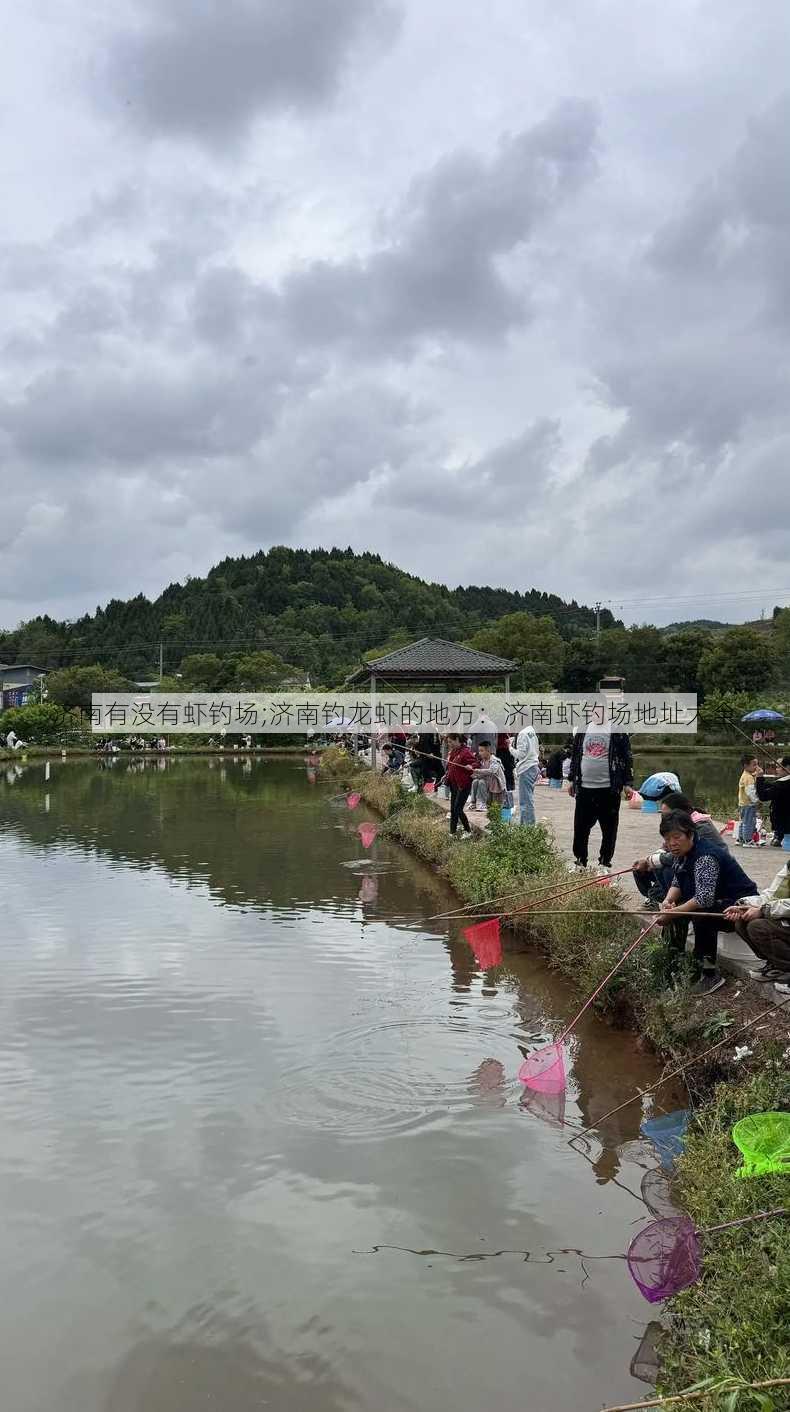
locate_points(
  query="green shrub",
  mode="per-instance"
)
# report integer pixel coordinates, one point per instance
(42, 725)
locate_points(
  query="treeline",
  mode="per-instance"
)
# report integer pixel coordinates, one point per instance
(317, 610)
(280, 618)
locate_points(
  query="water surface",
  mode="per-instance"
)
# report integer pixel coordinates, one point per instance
(235, 1058)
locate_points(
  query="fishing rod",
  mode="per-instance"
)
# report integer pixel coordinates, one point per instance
(683, 1067)
(506, 897)
(593, 912)
(770, 753)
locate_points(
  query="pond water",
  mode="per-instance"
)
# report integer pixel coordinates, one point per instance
(263, 1142)
(711, 780)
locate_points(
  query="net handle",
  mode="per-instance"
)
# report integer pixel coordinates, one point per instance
(744, 1220)
(606, 979)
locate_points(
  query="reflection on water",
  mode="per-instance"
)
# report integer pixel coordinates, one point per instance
(228, 1062)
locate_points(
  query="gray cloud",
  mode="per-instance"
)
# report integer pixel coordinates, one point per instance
(488, 331)
(439, 275)
(205, 69)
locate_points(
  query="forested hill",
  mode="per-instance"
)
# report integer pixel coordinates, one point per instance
(318, 609)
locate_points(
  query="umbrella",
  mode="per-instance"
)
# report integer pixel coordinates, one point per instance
(763, 715)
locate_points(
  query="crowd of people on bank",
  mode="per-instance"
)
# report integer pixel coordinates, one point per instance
(693, 877)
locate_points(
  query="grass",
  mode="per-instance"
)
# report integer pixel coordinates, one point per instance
(734, 1322)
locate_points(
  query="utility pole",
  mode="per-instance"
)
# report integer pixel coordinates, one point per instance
(598, 607)
(161, 662)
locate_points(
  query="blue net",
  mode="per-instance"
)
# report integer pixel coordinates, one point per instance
(667, 1134)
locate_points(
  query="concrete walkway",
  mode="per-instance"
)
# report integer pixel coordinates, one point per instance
(638, 835)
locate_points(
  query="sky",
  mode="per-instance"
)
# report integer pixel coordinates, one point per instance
(501, 293)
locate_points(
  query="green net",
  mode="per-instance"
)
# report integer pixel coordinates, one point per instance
(764, 1140)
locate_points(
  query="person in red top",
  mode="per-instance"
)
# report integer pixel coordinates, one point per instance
(460, 764)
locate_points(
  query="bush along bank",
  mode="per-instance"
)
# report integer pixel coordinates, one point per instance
(712, 1328)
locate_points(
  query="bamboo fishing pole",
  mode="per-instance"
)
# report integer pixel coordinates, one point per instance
(726, 1385)
(770, 753)
(592, 912)
(683, 1067)
(549, 897)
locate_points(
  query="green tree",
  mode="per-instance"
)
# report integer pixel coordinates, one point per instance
(738, 660)
(582, 668)
(202, 671)
(682, 652)
(74, 686)
(534, 643)
(781, 638)
(261, 671)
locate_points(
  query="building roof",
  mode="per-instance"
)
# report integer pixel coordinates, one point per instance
(432, 659)
(22, 667)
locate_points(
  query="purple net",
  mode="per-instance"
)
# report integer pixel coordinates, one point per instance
(665, 1258)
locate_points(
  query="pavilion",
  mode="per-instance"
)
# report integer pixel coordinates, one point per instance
(433, 663)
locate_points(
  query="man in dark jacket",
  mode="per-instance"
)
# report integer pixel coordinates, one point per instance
(706, 878)
(601, 769)
(775, 789)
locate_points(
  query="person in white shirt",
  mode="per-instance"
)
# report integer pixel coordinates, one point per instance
(527, 770)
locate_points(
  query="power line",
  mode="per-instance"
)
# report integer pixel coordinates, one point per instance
(699, 597)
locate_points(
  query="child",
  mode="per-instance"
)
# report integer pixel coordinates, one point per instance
(491, 776)
(747, 799)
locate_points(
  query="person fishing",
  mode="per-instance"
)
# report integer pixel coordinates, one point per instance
(775, 790)
(458, 775)
(653, 874)
(747, 798)
(763, 922)
(706, 878)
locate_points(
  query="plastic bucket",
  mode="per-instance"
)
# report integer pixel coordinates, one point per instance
(649, 806)
(507, 815)
(786, 843)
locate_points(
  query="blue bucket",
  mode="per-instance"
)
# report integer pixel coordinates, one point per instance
(786, 843)
(649, 806)
(507, 815)
(555, 784)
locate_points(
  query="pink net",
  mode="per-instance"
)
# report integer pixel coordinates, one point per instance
(665, 1258)
(429, 787)
(544, 1071)
(367, 833)
(485, 941)
(352, 800)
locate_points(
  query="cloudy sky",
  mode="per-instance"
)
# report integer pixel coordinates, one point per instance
(499, 291)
